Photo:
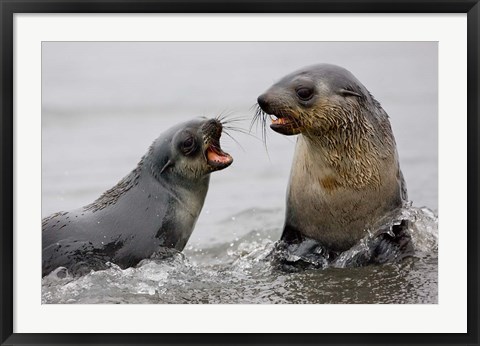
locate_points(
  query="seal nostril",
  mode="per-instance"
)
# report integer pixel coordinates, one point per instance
(263, 102)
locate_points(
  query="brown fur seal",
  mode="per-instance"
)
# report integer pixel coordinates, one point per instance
(345, 176)
(154, 207)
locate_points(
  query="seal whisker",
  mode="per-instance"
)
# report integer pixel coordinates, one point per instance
(238, 143)
(260, 117)
(223, 116)
(237, 119)
(230, 120)
(255, 118)
(264, 129)
(239, 129)
(263, 119)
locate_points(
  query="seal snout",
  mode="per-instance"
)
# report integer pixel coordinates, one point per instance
(212, 128)
(284, 122)
(264, 103)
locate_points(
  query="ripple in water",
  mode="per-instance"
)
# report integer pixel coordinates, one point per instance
(239, 272)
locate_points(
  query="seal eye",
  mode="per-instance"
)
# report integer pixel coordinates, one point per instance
(305, 94)
(188, 145)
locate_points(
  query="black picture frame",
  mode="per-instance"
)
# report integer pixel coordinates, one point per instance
(9, 7)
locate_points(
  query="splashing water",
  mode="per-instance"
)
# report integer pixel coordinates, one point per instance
(240, 272)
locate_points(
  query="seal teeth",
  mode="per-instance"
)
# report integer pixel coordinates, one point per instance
(286, 125)
(217, 155)
(281, 121)
(217, 158)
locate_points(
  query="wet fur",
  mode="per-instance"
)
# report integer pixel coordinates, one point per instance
(345, 174)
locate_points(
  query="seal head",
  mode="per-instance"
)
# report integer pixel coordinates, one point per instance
(301, 100)
(193, 151)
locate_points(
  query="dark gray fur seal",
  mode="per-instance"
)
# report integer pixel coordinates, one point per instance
(154, 207)
(345, 176)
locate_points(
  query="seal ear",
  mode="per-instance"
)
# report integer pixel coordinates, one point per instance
(168, 164)
(347, 92)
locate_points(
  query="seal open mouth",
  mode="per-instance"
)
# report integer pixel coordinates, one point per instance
(282, 121)
(216, 157)
(285, 124)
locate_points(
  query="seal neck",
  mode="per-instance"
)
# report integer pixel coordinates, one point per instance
(355, 160)
(185, 192)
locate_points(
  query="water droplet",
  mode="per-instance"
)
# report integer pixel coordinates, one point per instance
(233, 218)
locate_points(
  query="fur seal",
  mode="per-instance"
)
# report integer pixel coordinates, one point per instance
(345, 176)
(154, 207)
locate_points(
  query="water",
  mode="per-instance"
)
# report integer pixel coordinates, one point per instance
(238, 272)
(104, 103)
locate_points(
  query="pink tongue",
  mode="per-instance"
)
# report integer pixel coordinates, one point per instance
(213, 156)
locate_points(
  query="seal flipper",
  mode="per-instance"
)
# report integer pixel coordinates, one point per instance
(393, 244)
(294, 257)
(403, 186)
(295, 252)
(291, 235)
